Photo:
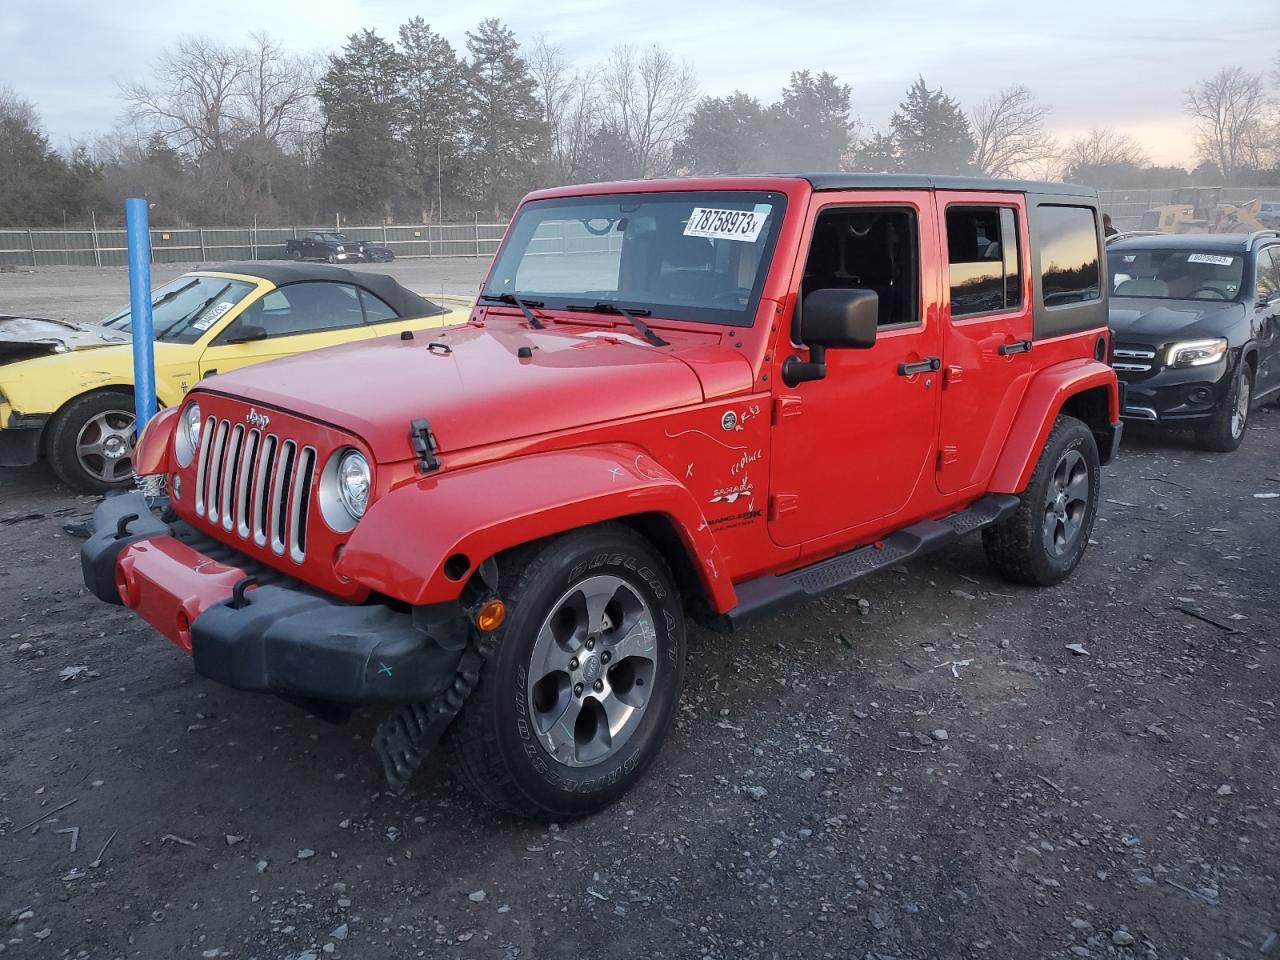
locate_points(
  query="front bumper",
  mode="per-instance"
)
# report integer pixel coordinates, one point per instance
(20, 437)
(277, 637)
(1176, 394)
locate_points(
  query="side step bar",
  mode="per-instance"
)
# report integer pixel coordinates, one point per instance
(767, 594)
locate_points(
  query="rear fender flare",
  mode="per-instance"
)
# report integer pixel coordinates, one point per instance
(405, 546)
(1048, 391)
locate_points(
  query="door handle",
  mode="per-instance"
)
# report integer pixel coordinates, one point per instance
(927, 365)
(1018, 346)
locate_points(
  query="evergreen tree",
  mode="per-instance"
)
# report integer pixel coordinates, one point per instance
(932, 132)
(360, 96)
(38, 187)
(724, 135)
(506, 133)
(878, 154)
(809, 127)
(433, 96)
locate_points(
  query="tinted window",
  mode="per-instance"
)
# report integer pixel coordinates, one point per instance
(1165, 274)
(302, 308)
(1068, 255)
(983, 256)
(686, 256)
(868, 248)
(375, 310)
(1269, 274)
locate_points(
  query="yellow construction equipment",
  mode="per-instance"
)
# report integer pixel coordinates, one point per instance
(1201, 210)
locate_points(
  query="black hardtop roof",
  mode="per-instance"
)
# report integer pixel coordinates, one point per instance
(1238, 242)
(922, 181)
(281, 272)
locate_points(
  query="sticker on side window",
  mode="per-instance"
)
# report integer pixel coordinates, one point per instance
(717, 224)
(214, 314)
(1214, 258)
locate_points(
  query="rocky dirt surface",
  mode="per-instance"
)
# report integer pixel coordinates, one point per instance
(917, 767)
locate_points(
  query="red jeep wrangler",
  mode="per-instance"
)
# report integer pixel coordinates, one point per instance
(693, 398)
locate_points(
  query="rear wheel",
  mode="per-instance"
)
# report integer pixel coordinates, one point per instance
(91, 442)
(582, 691)
(1047, 535)
(1225, 430)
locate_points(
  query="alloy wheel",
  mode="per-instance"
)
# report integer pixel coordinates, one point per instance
(104, 445)
(1066, 504)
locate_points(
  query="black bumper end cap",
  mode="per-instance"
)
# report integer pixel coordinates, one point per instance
(112, 531)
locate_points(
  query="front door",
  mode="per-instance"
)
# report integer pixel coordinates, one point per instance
(1267, 302)
(288, 320)
(851, 448)
(986, 352)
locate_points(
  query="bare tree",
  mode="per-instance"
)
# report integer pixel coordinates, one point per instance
(1103, 147)
(570, 107)
(17, 107)
(1229, 112)
(648, 97)
(274, 98)
(1009, 129)
(191, 102)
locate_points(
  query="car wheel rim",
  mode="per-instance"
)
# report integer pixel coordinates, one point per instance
(1067, 503)
(104, 446)
(1241, 412)
(592, 670)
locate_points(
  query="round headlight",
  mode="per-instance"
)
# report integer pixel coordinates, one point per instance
(354, 481)
(188, 435)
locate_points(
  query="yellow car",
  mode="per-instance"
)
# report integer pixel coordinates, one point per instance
(66, 389)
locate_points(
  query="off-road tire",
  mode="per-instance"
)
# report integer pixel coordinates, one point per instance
(1017, 547)
(64, 432)
(1222, 434)
(493, 742)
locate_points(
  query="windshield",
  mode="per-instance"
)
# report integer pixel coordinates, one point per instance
(1176, 274)
(697, 256)
(184, 309)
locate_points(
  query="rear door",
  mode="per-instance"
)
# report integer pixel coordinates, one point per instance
(987, 331)
(296, 317)
(1267, 304)
(851, 448)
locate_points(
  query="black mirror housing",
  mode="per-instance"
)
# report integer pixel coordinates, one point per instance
(247, 333)
(838, 318)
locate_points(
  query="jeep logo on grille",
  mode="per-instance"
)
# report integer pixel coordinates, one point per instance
(259, 420)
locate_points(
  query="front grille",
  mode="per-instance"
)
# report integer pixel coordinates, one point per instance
(1133, 359)
(255, 484)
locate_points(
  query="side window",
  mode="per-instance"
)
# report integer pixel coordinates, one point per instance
(375, 310)
(983, 260)
(1068, 255)
(302, 308)
(1268, 274)
(868, 248)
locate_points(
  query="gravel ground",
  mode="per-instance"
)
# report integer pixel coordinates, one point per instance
(89, 294)
(917, 767)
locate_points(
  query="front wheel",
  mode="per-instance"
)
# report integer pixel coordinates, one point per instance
(1047, 535)
(91, 442)
(579, 697)
(1225, 430)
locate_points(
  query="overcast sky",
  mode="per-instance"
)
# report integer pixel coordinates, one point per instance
(1104, 63)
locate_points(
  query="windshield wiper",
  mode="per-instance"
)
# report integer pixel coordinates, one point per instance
(603, 306)
(127, 319)
(523, 304)
(193, 315)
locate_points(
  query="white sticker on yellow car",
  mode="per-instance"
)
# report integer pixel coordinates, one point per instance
(213, 316)
(717, 224)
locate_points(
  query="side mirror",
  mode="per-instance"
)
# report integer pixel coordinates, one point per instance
(247, 333)
(836, 319)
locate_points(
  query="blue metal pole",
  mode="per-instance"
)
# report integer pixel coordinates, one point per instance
(144, 361)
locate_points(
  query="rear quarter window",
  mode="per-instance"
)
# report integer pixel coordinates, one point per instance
(1067, 267)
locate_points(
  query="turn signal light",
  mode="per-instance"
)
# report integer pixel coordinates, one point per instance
(490, 615)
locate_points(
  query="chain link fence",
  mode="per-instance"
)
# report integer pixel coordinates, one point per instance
(107, 247)
(1127, 206)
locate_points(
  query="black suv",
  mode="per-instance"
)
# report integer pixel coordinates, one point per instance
(336, 248)
(1196, 328)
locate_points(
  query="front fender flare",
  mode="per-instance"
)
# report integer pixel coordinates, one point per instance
(1048, 391)
(401, 546)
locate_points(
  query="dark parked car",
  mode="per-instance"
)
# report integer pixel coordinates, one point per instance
(335, 248)
(1196, 324)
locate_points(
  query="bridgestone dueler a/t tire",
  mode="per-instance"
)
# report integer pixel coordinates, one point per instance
(1016, 547)
(498, 755)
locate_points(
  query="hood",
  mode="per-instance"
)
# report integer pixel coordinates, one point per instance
(22, 337)
(1158, 320)
(472, 386)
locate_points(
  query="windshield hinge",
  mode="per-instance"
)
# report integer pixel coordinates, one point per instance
(424, 445)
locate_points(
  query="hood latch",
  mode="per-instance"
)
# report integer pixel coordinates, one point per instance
(424, 445)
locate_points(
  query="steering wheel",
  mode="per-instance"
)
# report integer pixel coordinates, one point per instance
(1215, 293)
(608, 225)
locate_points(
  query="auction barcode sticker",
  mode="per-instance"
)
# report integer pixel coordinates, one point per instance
(716, 224)
(213, 316)
(1215, 259)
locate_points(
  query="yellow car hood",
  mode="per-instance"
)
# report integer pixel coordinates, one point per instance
(23, 337)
